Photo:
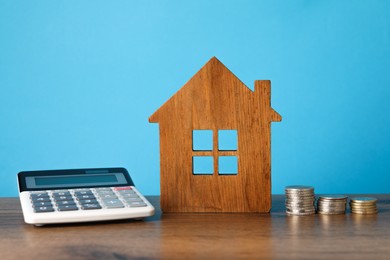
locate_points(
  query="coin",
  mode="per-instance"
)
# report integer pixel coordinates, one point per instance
(333, 197)
(363, 205)
(300, 200)
(299, 187)
(332, 204)
(364, 200)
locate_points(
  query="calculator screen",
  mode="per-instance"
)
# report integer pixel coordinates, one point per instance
(73, 179)
(79, 180)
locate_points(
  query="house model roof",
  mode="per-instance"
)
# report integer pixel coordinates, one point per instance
(213, 87)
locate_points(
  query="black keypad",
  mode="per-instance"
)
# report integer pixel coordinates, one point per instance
(85, 199)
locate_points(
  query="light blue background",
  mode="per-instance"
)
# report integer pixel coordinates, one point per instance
(79, 79)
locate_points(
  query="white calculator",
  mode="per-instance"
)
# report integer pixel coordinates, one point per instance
(80, 195)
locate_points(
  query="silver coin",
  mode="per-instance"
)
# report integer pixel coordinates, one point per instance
(331, 212)
(333, 197)
(299, 187)
(331, 209)
(291, 209)
(300, 214)
(332, 205)
(300, 204)
(298, 192)
(300, 199)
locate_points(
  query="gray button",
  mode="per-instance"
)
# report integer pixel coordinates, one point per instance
(133, 199)
(106, 196)
(130, 195)
(137, 204)
(67, 207)
(106, 192)
(102, 189)
(126, 192)
(112, 204)
(91, 206)
(111, 201)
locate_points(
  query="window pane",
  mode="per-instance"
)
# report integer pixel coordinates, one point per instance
(202, 165)
(202, 140)
(227, 140)
(228, 165)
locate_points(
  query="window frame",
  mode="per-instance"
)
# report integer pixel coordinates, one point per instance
(215, 153)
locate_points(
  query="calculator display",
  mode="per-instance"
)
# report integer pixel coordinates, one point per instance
(80, 178)
(63, 181)
(76, 179)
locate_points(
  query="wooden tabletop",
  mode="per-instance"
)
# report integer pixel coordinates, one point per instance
(202, 236)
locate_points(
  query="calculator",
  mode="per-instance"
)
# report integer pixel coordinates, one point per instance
(80, 195)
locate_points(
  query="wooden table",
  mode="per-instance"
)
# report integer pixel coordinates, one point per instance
(202, 236)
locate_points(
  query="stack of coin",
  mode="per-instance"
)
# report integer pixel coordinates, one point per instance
(300, 200)
(331, 204)
(363, 205)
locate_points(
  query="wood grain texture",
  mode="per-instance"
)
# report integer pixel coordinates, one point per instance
(215, 99)
(202, 236)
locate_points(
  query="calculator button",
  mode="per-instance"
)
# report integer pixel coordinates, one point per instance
(42, 204)
(115, 203)
(82, 193)
(107, 196)
(41, 199)
(61, 198)
(61, 193)
(111, 201)
(122, 188)
(137, 204)
(129, 195)
(91, 206)
(67, 207)
(132, 199)
(126, 191)
(39, 195)
(65, 202)
(102, 189)
(89, 201)
(86, 197)
(106, 192)
(115, 206)
(43, 209)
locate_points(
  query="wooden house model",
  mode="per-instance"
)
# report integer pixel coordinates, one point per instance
(215, 144)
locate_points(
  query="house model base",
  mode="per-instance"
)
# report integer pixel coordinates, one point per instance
(200, 170)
